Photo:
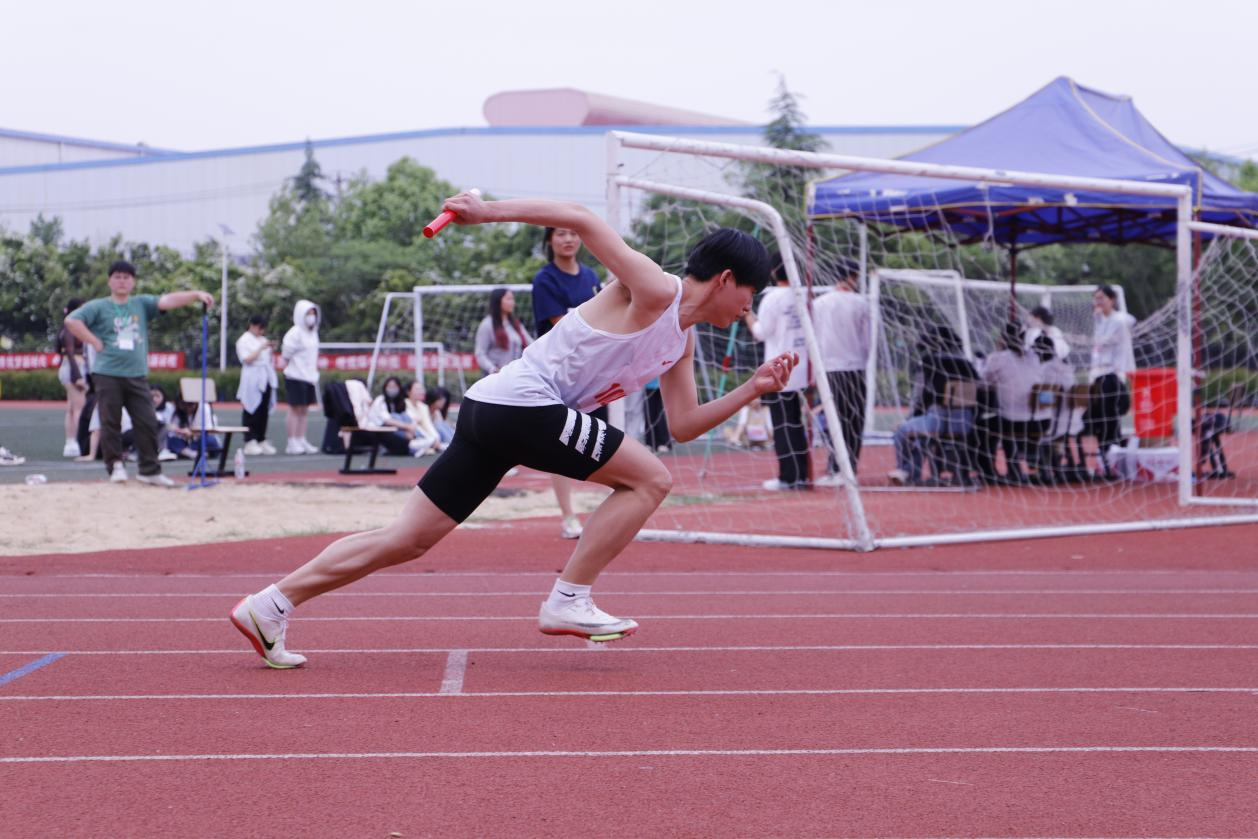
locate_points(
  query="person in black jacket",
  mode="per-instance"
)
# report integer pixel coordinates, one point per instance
(942, 360)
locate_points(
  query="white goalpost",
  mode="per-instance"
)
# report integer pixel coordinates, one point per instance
(975, 310)
(924, 278)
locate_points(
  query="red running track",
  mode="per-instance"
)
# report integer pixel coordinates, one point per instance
(1064, 687)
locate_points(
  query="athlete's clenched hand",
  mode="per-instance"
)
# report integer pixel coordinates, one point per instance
(773, 375)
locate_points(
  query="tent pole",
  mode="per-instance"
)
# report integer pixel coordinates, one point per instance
(1013, 283)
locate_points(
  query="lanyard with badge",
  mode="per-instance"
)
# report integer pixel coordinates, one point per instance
(126, 340)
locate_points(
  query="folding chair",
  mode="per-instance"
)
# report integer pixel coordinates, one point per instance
(1210, 431)
(1045, 401)
(1079, 398)
(190, 392)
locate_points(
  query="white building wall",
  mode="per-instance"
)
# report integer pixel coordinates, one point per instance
(180, 199)
(20, 148)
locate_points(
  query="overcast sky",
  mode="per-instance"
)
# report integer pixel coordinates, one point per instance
(242, 72)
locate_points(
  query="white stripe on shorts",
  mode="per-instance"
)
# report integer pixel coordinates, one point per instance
(584, 439)
(597, 454)
(568, 426)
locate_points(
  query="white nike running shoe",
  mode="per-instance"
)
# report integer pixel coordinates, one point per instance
(571, 528)
(584, 620)
(266, 635)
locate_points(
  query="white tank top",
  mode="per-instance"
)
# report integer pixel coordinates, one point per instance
(576, 365)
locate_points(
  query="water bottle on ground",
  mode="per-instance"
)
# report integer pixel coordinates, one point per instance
(240, 464)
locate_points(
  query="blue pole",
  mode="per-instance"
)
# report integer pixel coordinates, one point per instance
(203, 408)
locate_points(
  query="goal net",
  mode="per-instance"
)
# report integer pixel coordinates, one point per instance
(1020, 451)
(1221, 311)
(430, 332)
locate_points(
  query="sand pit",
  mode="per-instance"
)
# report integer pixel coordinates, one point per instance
(97, 516)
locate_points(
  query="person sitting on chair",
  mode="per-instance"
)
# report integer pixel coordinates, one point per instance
(1012, 373)
(942, 361)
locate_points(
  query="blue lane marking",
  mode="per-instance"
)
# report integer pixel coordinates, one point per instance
(30, 668)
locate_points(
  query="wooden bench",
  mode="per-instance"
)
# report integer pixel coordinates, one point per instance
(372, 450)
(190, 391)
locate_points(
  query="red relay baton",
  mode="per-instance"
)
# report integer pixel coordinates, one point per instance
(434, 227)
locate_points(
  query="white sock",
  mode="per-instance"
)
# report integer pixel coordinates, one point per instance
(563, 592)
(273, 603)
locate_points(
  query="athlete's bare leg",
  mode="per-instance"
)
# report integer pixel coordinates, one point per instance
(419, 526)
(563, 494)
(640, 483)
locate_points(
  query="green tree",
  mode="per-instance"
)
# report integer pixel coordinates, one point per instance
(306, 185)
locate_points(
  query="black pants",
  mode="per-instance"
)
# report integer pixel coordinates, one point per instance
(113, 393)
(1104, 417)
(848, 387)
(257, 420)
(84, 436)
(656, 422)
(789, 438)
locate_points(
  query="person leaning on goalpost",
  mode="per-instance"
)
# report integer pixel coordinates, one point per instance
(534, 412)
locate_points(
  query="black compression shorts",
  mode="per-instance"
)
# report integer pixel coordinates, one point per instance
(490, 439)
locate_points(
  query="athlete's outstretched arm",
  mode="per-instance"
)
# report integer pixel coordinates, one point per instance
(687, 419)
(646, 281)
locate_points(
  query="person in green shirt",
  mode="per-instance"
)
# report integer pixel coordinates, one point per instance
(116, 327)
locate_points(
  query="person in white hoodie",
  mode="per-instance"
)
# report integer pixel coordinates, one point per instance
(258, 384)
(300, 351)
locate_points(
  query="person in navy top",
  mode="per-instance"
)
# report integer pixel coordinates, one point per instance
(562, 284)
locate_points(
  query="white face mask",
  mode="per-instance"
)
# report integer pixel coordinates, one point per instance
(311, 320)
(391, 392)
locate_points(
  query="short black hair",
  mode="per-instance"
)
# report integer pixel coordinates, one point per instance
(121, 266)
(1013, 337)
(259, 320)
(1108, 291)
(1043, 315)
(727, 248)
(846, 268)
(1043, 347)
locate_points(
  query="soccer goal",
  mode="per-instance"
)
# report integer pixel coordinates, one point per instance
(905, 303)
(664, 193)
(430, 331)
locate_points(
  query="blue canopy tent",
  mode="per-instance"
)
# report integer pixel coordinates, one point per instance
(1061, 129)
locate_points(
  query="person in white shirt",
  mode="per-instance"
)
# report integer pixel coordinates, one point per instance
(300, 351)
(1012, 373)
(417, 410)
(1055, 371)
(841, 320)
(389, 410)
(1040, 322)
(258, 384)
(536, 412)
(779, 325)
(1112, 359)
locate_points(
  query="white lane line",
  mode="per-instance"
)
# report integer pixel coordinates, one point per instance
(701, 593)
(709, 617)
(417, 575)
(456, 668)
(664, 649)
(979, 750)
(532, 694)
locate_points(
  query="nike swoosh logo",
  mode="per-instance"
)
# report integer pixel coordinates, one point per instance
(258, 629)
(276, 605)
(565, 594)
